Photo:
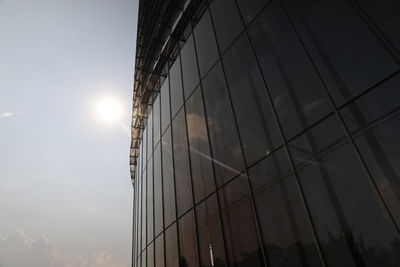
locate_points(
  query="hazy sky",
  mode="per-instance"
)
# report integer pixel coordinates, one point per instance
(65, 190)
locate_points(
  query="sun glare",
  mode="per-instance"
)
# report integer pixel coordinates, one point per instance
(108, 109)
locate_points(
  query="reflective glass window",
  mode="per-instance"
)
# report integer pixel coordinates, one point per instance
(156, 120)
(150, 135)
(144, 259)
(206, 45)
(159, 251)
(144, 209)
(190, 72)
(171, 247)
(181, 163)
(227, 21)
(144, 147)
(168, 179)
(158, 194)
(375, 124)
(347, 212)
(150, 255)
(258, 131)
(346, 52)
(187, 241)
(296, 90)
(165, 105)
(209, 228)
(200, 159)
(175, 78)
(242, 244)
(223, 138)
(150, 198)
(250, 8)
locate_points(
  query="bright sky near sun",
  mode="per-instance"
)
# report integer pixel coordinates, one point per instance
(66, 75)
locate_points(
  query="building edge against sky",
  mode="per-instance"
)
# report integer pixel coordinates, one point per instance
(265, 133)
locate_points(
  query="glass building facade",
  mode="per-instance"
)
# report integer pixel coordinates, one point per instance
(271, 136)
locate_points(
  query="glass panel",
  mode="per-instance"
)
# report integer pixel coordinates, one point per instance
(181, 163)
(150, 135)
(238, 222)
(171, 247)
(165, 105)
(144, 148)
(206, 45)
(144, 209)
(150, 255)
(159, 249)
(158, 195)
(375, 124)
(187, 241)
(286, 232)
(297, 93)
(224, 141)
(144, 259)
(150, 207)
(175, 78)
(258, 131)
(190, 72)
(250, 8)
(156, 120)
(211, 242)
(168, 179)
(200, 159)
(227, 21)
(346, 52)
(348, 215)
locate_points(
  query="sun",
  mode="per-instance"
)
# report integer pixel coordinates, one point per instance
(108, 109)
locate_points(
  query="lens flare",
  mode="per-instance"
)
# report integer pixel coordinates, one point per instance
(108, 109)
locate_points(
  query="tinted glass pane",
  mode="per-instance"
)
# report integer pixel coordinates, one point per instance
(211, 242)
(171, 247)
(156, 120)
(286, 232)
(347, 53)
(375, 123)
(189, 67)
(144, 148)
(181, 163)
(257, 128)
(158, 196)
(150, 135)
(238, 222)
(165, 105)
(144, 209)
(227, 21)
(150, 221)
(176, 86)
(205, 44)
(348, 215)
(144, 259)
(250, 8)
(298, 95)
(224, 141)
(159, 249)
(168, 179)
(202, 173)
(187, 241)
(150, 255)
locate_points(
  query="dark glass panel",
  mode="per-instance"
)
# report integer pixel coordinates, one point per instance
(385, 13)
(168, 179)
(349, 217)
(206, 45)
(200, 159)
(175, 78)
(297, 93)
(187, 241)
(158, 195)
(227, 22)
(190, 72)
(150, 198)
(250, 8)
(286, 232)
(209, 228)
(159, 251)
(346, 52)
(156, 120)
(224, 141)
(150, 135)
(242, 244)
(171, 247)
(375, 124)
(256, 123)
(181, 163)
(144, 209)
(165, 106)
(150, 255)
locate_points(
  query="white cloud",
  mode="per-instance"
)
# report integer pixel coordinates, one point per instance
(7, 114)
(21, 250)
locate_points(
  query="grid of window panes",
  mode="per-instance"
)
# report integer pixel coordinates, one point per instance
(274, 140)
